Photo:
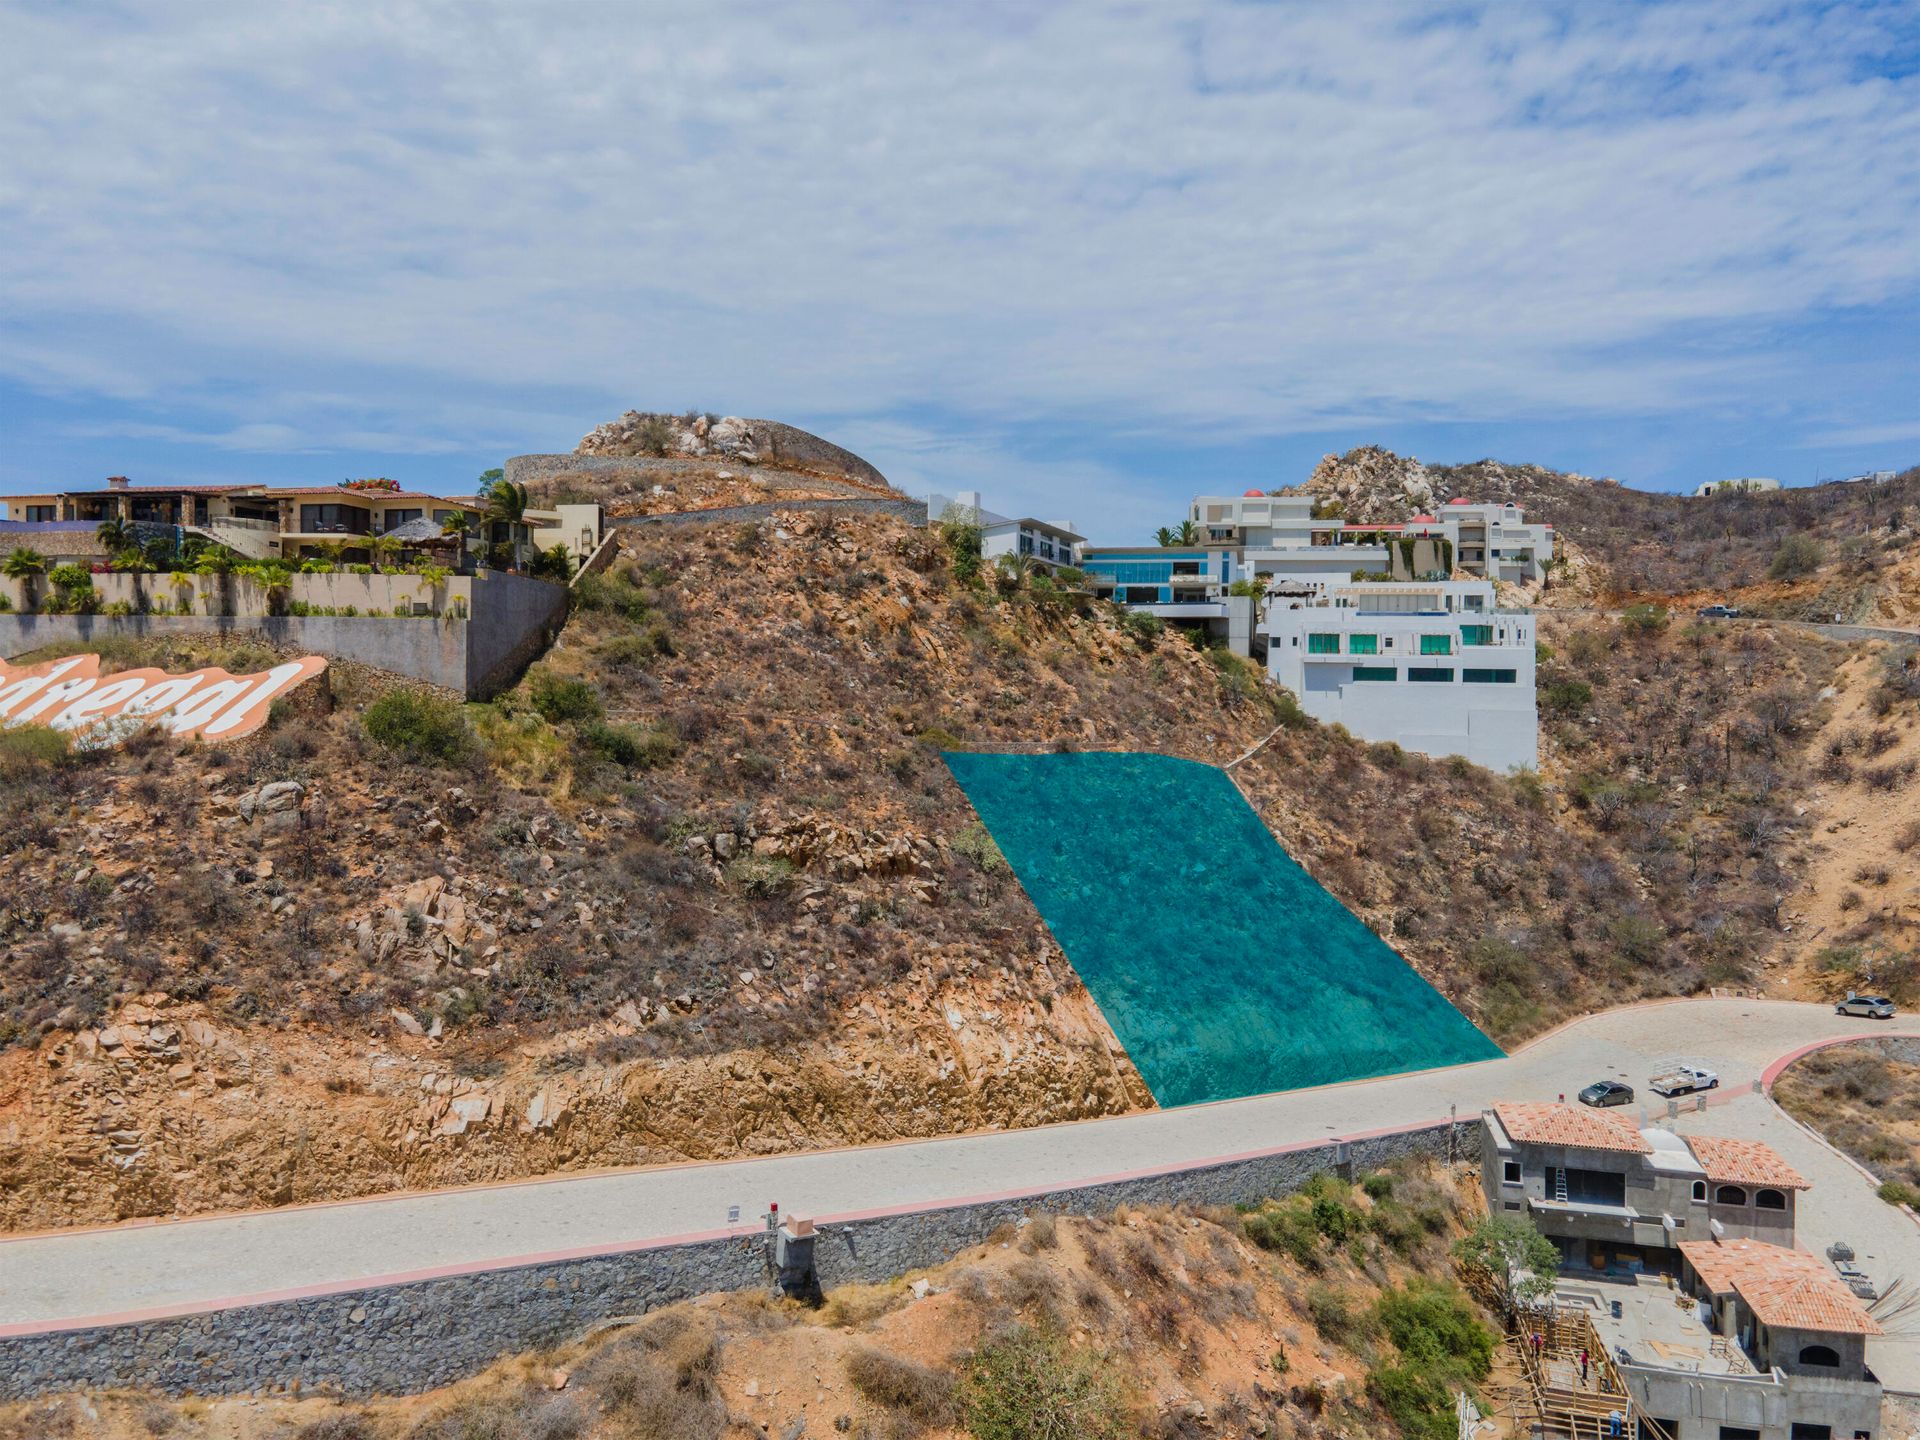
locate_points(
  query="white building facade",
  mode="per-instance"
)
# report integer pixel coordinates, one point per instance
(1434, 666)
(1050, 543)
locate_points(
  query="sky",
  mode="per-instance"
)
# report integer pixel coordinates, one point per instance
(1089, 259)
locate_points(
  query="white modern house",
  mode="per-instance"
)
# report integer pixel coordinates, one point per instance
(1052, 543)
(1280, 537)
(1435, 666)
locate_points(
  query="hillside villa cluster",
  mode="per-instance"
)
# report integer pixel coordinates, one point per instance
(259, 522)
(1394, 631)
(1682, 1305)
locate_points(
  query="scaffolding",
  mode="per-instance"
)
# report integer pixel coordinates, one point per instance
(1570, 1400)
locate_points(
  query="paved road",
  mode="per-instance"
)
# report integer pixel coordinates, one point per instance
(196, 1264)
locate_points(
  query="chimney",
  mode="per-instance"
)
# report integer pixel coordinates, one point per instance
(118, 482)
(969, 500)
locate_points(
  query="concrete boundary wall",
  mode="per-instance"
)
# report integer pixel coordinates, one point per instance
(412, 1333)
(513, 620)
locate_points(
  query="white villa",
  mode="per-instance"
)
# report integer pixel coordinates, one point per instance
(1434, 666)
(1742, 485)
(1279, 537)
(1051, 543)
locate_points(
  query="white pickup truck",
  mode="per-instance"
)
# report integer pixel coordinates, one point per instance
(1683, 1080)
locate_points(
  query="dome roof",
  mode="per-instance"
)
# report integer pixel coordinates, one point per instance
(1252, 494)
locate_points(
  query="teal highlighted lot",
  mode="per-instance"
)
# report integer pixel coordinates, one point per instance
(1222, 965)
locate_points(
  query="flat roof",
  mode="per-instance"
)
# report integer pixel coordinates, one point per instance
(1785, 1288)
(1577, 1126)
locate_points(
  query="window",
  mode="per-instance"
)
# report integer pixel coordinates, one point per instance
(1476, 634)
(1770, 1200)
(1436, 644)
(1490, 677)
(40, 514)
(1729, 1195)
(1802, 1431)
(1699, 1192)
(1143, 595)
(334, 519)
(395, 518)
(1323, 644)
(1511, 1174)
(1738, 1432)
(1819, 1355)
(1430, 673)
(1363, 644)
(1375, 672)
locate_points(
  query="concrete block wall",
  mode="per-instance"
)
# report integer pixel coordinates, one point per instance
(512, 620)
(419, 1334)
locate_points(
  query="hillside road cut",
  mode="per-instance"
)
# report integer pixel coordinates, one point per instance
(66, 1279)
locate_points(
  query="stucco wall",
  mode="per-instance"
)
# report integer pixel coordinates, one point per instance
(513, 620)
(420, 1334)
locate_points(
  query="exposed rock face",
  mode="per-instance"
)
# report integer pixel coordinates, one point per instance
(750, 442)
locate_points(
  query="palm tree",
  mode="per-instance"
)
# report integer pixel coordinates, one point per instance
(1164, 538)
(115, 535)
(457, 525)
(26, 566)
(507, 505)
(1014, 571)
(383, 548)
(1187, 533)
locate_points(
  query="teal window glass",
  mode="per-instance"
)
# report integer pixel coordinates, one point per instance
(1433, 674)
(1476, 634)
(1491, 677)
(1323, 644)
(1363, 644)
(1375, 672)
(1436, 644)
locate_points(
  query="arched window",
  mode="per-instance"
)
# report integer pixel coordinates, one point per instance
(1730, 1195)
(1820, 1355)
(1770, 1200)
(1700, 1192)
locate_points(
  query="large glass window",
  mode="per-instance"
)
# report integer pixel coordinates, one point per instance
(1431, 674)
(1363, 644)
(43, 514)
(1490, 677)
(1476, 634)
(396, 518)
(1374, 672)
(1322, 644)
(334, 520)
(1436, 644)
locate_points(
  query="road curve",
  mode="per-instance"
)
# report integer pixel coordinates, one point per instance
(63, 1279)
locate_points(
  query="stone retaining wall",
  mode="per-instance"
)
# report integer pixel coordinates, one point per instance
(420, 1334)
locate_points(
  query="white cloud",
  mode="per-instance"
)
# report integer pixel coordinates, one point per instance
(1215, 220)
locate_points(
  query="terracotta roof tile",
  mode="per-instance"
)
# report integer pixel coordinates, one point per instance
(1569, 1125)
(1787, 1288)
(1744, 1162)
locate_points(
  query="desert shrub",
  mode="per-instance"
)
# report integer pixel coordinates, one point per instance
(1336, 1320)
(634, 746)
(631, 651)
(1286, 1227)
(1566, 697)
(561, 698)
(612, 593)
(975, 843)
(31, 750)
(421, 726)
(1416, 1400)
(1443, 1347)
(761, 875)
(1798, 555)
(1644, 619)
(1142, 625)
(1026, 1385)
(338, 1427)
(907, 1386)
(1896, 1192)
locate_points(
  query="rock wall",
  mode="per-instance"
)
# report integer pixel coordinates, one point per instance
(914, 512)
(420, 1334)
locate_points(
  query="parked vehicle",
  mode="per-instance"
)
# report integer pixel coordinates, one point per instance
(1606, 1092)
(1720, 612)
(1683, 1080)
(1873, 1007)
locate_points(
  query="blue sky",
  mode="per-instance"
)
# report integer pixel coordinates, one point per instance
(1086, 258)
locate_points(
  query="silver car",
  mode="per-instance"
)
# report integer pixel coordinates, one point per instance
(1872, 1007)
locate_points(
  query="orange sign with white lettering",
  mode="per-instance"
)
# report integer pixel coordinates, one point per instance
(95, 710)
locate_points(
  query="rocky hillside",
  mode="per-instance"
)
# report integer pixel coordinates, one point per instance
(701, 885)
(1805, 553)
(1316, 1315)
